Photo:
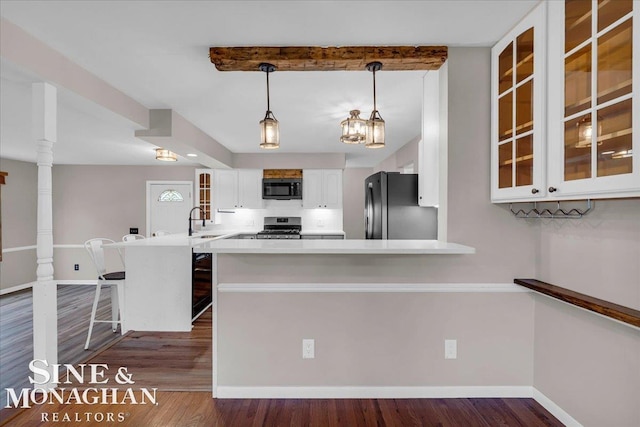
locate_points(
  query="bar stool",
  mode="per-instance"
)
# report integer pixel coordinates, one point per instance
(132, 237)
(115, 280)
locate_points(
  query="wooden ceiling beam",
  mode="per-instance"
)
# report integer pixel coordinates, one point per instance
(315, 58)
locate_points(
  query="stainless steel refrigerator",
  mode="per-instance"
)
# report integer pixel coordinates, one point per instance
(392, 211)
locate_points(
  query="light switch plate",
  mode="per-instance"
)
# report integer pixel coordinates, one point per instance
(308, 349)
(450, 349)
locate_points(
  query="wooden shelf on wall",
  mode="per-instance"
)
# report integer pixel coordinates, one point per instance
(608, 309)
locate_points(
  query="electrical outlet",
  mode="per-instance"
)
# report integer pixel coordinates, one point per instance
(308, 349)
(450, 349)
(76, 267)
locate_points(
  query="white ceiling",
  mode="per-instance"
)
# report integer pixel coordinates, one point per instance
(157, 53)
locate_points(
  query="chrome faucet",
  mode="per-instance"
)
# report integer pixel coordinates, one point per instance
(190, 219)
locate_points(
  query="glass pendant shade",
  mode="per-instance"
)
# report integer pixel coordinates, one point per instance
(375, 124)
(166, 155)
(354, 129)
(269, 132)
(585, 132)
(269, 127)
(375, 131)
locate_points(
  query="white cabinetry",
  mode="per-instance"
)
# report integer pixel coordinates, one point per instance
(237, 188)
(594, 119)
(583, 137)
(203, 194)
(517, 106)
(322, 188)
(250, 188)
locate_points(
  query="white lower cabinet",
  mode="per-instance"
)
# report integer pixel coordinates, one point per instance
(322, 188)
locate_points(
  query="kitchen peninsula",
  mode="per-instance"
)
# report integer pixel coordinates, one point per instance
(158, 288)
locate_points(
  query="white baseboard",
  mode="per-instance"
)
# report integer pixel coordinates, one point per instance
(225, 392)
(555, 410)
(17, 288)
(88, 282)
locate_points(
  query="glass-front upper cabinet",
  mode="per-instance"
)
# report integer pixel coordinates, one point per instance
(594, 117)
(203, 194)
(518, 96)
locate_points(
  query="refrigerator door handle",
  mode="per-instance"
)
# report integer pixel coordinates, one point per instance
(369, 213)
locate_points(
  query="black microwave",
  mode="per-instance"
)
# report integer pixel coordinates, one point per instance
(282, 188)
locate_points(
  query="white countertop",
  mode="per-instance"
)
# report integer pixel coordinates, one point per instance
(218, 243)
(303, 246)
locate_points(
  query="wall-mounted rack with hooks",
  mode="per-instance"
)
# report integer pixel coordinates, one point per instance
(538, 211)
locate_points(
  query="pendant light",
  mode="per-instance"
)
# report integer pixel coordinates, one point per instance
(166, 155)
(585, 132)
(375, 124)
(269, 127)
(354, 129)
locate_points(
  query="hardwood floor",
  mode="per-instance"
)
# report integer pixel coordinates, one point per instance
(179, 366)
(183, 409)
(74, 310)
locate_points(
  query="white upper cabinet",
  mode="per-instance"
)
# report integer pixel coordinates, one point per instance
(237, 188)
(594, 108)
(225, 188)
(322, 188)
(579, 138)
(517, 111)
(250, 188)
(204, 178)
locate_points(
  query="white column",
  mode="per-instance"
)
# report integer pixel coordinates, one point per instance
(45, 309)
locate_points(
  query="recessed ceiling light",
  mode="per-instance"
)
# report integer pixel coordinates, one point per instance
(192, 155)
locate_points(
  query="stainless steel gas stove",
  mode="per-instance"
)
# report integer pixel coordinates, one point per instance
(281, 227)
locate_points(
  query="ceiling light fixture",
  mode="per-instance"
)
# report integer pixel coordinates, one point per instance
(354, 129)
(166, 155)
(269, 127)
(192, 155)
(375, 124)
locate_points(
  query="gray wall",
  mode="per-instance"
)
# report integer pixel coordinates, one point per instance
(100, 201)
(353, 201)
(19, 205)
(588, 365)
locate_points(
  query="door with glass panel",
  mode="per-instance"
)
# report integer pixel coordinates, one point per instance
(594, 116)
(518, 97)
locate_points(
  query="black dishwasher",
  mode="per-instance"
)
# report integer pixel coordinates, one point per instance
(201, 283)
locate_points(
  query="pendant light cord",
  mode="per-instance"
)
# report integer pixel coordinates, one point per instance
(268, 105)
(374, 90)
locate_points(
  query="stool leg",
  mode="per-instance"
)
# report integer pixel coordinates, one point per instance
(121, 306)
(96, 298)
(114, 307)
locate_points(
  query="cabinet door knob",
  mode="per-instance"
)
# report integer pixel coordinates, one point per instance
(552, 189)
(534, 191)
